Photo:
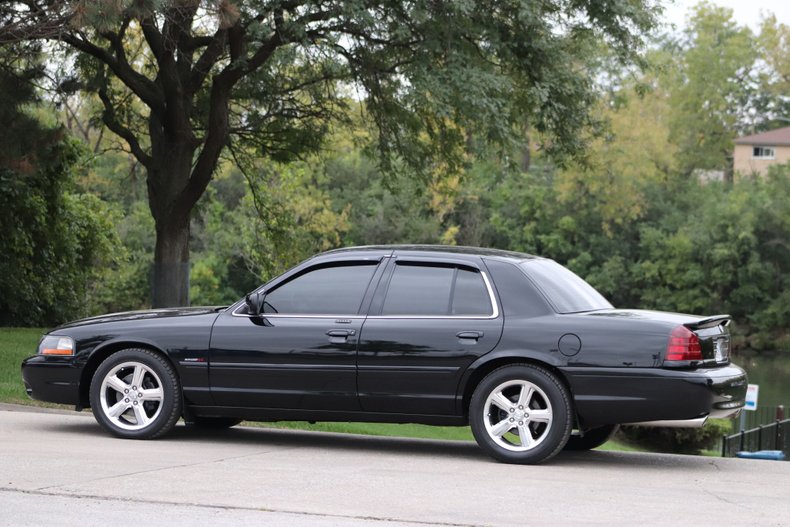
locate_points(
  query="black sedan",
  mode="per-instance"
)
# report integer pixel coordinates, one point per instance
(517, 346)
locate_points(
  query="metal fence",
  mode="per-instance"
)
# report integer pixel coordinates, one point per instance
(773, 436)
(765, 414)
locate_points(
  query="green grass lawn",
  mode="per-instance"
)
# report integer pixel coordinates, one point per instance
(15, 345)
(18, 343)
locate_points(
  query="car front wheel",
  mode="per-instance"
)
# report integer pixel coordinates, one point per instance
(135, 394)
(521, 413)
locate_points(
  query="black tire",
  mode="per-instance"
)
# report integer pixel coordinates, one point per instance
(592, 438)
(546, 417)
(147, 411)
(213, 423)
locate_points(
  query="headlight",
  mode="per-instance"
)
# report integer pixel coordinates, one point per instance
(55, 345)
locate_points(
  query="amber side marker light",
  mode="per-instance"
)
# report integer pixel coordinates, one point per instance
(53, 345)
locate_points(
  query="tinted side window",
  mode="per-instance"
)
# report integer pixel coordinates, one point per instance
(470, 296)
(517, 294)
(419, 290)
(436, 291)
(324, 291)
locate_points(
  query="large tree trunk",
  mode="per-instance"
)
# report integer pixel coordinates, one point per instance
(167, 180)
(176, 181)
(170, 281)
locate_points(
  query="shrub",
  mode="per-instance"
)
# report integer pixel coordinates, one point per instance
(678, 440)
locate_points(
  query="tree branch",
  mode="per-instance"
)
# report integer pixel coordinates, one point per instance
(207, 59)
(141, 85)
(110, 120)
(216, 139)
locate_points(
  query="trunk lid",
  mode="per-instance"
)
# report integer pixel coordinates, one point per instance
(712, 332)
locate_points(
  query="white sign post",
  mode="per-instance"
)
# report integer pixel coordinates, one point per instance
(752, 391)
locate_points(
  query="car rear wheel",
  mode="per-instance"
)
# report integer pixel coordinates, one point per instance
(521, 413)
(592, 438)
(135, 394)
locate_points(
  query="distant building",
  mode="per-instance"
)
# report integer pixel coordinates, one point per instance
(706, 176)
(755, 153)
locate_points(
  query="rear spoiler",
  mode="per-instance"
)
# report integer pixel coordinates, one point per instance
(709, 322)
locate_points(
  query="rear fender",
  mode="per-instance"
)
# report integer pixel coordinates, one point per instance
(489, 362)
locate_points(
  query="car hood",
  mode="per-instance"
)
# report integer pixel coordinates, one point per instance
(142, 315)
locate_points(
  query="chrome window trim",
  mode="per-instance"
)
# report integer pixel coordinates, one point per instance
(278, 315)
(487, 282)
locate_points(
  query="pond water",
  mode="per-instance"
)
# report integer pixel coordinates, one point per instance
(772, 374)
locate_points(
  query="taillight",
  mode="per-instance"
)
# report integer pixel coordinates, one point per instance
(683, 345)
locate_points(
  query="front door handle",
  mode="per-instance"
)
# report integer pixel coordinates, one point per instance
(469, 335)
(340, 336)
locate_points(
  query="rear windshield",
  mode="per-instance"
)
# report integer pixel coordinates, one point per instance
(565, 290)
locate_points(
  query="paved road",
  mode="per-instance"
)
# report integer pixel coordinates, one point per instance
(61, 469)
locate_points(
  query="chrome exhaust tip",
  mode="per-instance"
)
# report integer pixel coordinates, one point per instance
(674, 423)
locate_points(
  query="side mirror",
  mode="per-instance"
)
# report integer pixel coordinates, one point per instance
(254, 303)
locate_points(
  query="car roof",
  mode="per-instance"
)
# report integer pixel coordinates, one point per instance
(433, 249)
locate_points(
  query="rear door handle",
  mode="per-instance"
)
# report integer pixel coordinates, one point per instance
(341, 332)
(469, 335)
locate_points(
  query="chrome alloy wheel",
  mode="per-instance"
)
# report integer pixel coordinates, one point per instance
(131, 396)
(517, 415)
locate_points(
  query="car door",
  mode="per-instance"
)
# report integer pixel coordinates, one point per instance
(429, 319)
(300, 353)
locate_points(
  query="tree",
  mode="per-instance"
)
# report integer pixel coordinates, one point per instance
(712, 89)
(774, 75)
(55, 243)
(270, 75)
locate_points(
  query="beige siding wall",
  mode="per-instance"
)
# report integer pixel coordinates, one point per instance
(744, 164)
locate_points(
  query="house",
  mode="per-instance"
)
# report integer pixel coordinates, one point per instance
(755, 153)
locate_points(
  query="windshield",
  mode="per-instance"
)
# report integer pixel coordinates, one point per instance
(565, 290)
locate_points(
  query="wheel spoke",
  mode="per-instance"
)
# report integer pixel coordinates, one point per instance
(525, 396)
(501, 401)
(501, 427)
(540, 416)
(117, 409)
(137, 378)
(525, 435)
(140, 415)
(117, 384)
(152, 394)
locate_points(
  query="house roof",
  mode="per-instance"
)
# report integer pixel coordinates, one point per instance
(780, 136)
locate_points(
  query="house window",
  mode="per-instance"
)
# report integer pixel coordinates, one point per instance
(763, 152)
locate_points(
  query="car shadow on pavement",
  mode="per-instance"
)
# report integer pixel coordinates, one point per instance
(642, 460)
(305, 438)
(288, 438)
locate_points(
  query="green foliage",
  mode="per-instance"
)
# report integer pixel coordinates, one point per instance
(678, 440)
(128, 278)
(628, 218)
(712, 88)
(56, 244)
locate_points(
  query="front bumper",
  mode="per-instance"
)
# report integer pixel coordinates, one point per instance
(630, 395)
(52, 379)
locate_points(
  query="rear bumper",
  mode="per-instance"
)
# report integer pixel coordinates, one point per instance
(630, 395)
(51, 379)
